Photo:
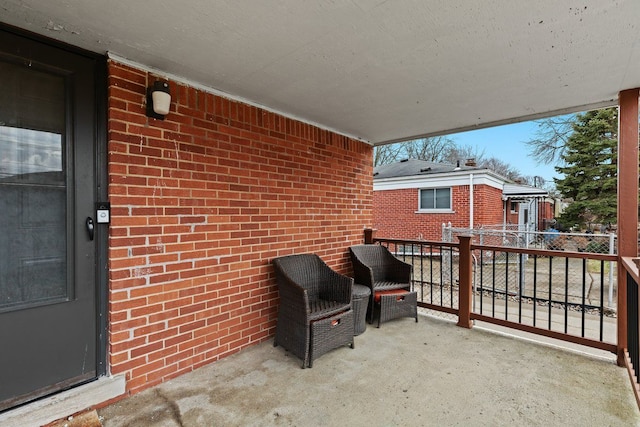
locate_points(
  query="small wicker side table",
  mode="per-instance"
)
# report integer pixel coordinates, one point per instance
(359, 302)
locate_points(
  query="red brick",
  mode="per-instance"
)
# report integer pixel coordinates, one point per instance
(201, 203)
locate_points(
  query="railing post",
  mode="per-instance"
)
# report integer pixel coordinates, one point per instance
(627, 203)
(465, 295)
(368, 236)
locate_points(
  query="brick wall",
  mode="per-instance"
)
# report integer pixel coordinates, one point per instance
(201, 203)
(545, 215)
(394, 212)
(513, 216)
(489, 207)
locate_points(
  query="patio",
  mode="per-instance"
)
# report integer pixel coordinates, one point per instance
(429, 373)
(267, 151)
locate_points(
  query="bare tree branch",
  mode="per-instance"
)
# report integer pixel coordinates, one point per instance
(384, 154)
(548, 145)
(464, 152)
(432, 149)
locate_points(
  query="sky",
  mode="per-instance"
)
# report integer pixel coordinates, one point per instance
(507, 143)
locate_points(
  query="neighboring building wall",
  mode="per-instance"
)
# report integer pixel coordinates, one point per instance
(395, 212)
(546, 214)
(489, 206)
(540, 207)
(513, 212)
(201, 203)
(395, 217)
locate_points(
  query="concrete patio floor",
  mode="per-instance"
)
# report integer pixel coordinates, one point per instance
(432, 373)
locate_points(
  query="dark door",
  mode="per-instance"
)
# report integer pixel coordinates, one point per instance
(48, 319)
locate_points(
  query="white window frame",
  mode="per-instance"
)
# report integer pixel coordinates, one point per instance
(435, 210)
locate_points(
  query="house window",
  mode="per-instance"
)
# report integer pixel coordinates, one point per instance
(435, 199)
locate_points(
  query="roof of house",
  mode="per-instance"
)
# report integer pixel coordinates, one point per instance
(519, 190)
(414, 167)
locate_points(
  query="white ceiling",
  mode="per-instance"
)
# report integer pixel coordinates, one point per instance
(377, 70)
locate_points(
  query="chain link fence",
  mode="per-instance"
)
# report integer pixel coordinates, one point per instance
(513, 274)
(516, 236)
(561, 291)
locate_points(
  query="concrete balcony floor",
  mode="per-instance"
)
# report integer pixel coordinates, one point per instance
(432, 373)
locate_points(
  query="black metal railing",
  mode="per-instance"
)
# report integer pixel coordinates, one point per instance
(564, 295)
(553, 291)
(633, 329)
(435, 276)
(629, 335)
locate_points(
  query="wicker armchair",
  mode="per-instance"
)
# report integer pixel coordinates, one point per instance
(374, 266)
(314, 315)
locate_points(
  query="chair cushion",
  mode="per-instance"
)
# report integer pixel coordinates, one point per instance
(398, 292)
(321, 308)
(386, 285)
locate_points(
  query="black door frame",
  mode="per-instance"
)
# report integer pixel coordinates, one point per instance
(101, 182)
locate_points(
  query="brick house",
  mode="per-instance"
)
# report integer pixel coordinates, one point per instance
(200, 202)
(134, 248)
(414, 198)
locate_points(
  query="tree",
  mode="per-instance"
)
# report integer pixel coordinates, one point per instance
(550, 140)
(503, 168)
(590, 171)
(385, 154)
(441, 149)
(464, 152)
(433, 149)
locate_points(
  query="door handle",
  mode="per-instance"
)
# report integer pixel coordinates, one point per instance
(90, 227)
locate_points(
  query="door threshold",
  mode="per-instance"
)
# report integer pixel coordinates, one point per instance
(63, 404)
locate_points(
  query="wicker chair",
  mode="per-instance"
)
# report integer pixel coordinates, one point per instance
(374, 266)
(314, 315)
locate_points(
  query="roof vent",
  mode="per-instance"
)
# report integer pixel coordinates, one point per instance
(425, 169)
(376, 173)
(404, 160)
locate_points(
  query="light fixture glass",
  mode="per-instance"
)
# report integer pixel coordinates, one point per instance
(158, 100)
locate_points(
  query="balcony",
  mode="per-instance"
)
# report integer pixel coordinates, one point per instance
(429, 373)
(538, 347)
